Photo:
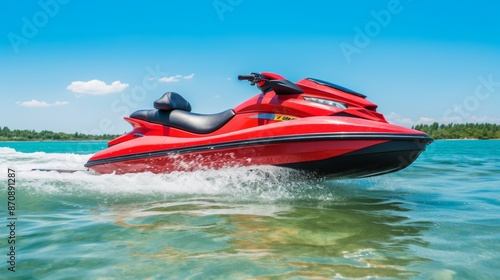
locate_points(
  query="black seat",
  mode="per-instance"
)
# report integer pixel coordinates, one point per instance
(184, 120)
(171, 101)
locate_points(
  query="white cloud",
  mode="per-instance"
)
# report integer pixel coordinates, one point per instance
(170, 79)
(483, 119)
(96, 87)
(425, 120)
(399, 120)
(452, 119)
(35, 103)
(175, 78)
(189, 76)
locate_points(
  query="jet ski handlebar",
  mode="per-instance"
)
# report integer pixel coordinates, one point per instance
(252, 78)
(245, 77)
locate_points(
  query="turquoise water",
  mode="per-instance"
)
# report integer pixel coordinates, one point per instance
(437, 219)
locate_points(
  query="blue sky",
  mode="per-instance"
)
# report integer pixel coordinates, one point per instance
(81, 66)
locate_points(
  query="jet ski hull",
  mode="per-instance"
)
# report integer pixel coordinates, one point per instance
(339, 154)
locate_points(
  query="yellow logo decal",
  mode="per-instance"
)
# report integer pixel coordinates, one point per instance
(283, 118)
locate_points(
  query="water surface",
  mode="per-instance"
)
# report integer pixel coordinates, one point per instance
(437, 219)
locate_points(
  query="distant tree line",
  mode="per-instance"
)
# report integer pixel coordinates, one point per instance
(30, 135)
(435, 130)
(460, 131)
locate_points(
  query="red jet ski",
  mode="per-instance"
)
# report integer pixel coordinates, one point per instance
(311, 125)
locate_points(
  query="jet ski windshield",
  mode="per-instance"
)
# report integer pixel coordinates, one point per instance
(335, 86)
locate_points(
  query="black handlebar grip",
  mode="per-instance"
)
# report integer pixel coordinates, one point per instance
(246, 77)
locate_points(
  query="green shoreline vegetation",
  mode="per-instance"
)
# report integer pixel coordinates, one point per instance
(435, 130)
(460, 130)
(30, 135)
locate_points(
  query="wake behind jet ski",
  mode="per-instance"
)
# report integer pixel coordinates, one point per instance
(311, 125)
